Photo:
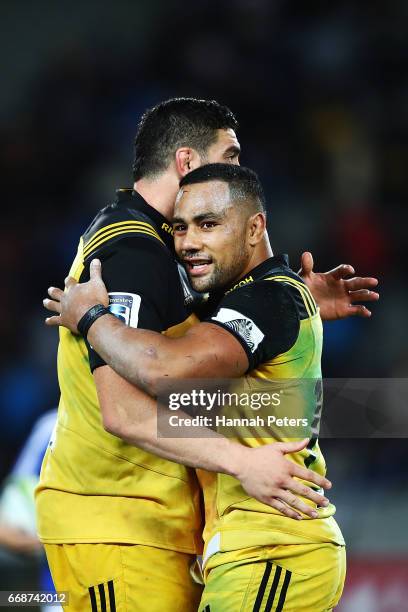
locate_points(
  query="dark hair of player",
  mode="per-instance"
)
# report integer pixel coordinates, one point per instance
(179, 122)
(244, 184)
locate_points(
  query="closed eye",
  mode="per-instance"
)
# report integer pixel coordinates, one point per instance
(231, 158)
(232, 155)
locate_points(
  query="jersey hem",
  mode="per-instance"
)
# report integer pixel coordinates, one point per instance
(190, 550)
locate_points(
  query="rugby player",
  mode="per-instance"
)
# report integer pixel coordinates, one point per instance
(114, 518)
(266, 323)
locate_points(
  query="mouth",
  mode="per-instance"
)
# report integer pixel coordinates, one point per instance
(197, 267)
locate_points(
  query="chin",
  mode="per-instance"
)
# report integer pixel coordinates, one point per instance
(202, 287)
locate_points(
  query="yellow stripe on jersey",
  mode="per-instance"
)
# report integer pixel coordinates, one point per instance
(305, 289)
(122, 226)
(116, 229)
(117, 225)
(119, 233)
(310, 304)
(78, 263)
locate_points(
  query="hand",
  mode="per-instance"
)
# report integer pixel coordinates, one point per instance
(77, 299)
(335, 294)
(269, 477)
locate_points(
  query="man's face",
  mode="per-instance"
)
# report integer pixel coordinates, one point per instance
(225, 150)
(210, 235)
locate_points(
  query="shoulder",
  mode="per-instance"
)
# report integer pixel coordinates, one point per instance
(263, 308)
(296, 288)
(263, 316)
(123, 225)
(258, 295)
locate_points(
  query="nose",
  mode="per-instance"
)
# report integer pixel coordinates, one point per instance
(191, 240)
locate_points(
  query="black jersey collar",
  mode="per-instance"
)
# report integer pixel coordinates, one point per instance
(269, 266)
(132, 199)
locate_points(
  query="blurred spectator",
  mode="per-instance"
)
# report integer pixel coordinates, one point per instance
(18, 533)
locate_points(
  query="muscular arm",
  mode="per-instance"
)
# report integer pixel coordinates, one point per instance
(144, 357)
(131, 415)
(264, 472)
(206, 351)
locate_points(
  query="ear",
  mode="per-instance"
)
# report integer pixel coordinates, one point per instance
(256, 228)
(187, 159)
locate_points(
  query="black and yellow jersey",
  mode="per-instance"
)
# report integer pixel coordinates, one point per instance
(93, 486)
(273, 315)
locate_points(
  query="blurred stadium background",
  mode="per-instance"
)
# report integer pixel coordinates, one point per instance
(322, 99)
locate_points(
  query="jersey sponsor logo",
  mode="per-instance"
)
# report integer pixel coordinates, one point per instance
(241, 325)
(125, 306)
(242, 283)
(167, 228)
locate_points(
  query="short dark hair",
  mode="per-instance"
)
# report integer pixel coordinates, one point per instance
(244, 184)
(175, 123)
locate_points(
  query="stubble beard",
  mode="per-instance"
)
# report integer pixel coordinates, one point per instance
(222, 277)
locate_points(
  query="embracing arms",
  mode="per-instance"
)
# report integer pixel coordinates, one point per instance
(128, 413)
(264, 472)
(144, 357)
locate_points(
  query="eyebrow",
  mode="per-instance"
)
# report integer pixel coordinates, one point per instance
(201, 217)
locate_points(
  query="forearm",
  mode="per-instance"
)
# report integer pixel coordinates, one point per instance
(263, 472)
(131, 415)
(133, 353)
(145, 357)
(207, 450)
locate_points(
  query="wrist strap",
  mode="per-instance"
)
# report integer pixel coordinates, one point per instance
(90, 317)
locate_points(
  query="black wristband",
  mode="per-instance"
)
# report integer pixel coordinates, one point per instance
(90, 317)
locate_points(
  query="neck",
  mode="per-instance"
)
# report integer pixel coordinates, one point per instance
(160, 193)
(261, 253)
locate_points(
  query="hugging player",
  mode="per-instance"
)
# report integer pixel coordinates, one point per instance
(252, 549)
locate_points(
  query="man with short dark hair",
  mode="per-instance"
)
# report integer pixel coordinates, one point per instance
(266, 325)
(178, 123)
(113, 518)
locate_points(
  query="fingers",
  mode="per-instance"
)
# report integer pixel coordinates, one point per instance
(300, 489)
(358, 310)
(53, 321)
(361, 295)
(342, 271)
(95, 270)
(55, 293)
(297, 504)
(364, 295)
(69, 281)
(52, 305)
(292, 447)
(358, 282)
(310, 476)
(306, 262)
(283, 508)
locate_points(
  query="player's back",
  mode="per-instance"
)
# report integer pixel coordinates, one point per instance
(94, 487)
